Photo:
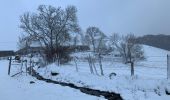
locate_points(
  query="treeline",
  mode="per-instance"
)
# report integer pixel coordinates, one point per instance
(160, 41)
(52, 29)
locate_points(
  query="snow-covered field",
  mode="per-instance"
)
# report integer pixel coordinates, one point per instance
(149, 82)
(19, 88)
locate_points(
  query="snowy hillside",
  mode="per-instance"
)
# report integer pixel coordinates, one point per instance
(149, 83)
(153, 51)
(155, 56)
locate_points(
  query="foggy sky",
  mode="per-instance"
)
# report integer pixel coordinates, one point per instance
(122, 16)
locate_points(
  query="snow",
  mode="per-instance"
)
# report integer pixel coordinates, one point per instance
(19, 88)
(155, 57)
(149, 81)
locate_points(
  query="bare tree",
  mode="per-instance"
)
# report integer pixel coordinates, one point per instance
(50, 26)
(23, 42)
(128, 49)
(114, 38)
(75, 40)
(134, 51)
(83, 39)
(96, 38)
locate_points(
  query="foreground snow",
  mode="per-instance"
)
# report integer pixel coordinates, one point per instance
(19, 88)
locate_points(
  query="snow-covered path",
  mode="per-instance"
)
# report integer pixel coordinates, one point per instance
(19, 88)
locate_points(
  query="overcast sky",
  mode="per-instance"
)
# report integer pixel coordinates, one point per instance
(122, 16)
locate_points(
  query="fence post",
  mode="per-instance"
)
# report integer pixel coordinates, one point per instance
(132, 68)
(168, 67)
(21, 65)
(76, 63)
(30, 70)
(9, 69)
(26, 67)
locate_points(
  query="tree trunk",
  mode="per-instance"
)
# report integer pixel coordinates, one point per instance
(95, 67)
(100, 64)
(90, 64)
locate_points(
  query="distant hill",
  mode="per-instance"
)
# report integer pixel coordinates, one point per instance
(159, 41)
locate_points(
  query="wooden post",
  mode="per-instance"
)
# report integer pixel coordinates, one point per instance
(21, 65)
(76, 64)
(132, 69)
(9, 69)
(30, 66)
(26, 66)
(168, 67)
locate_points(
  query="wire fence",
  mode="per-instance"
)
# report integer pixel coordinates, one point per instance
(152, 64)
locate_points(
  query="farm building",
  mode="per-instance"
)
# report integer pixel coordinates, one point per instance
(36, 50)
(6, 53)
